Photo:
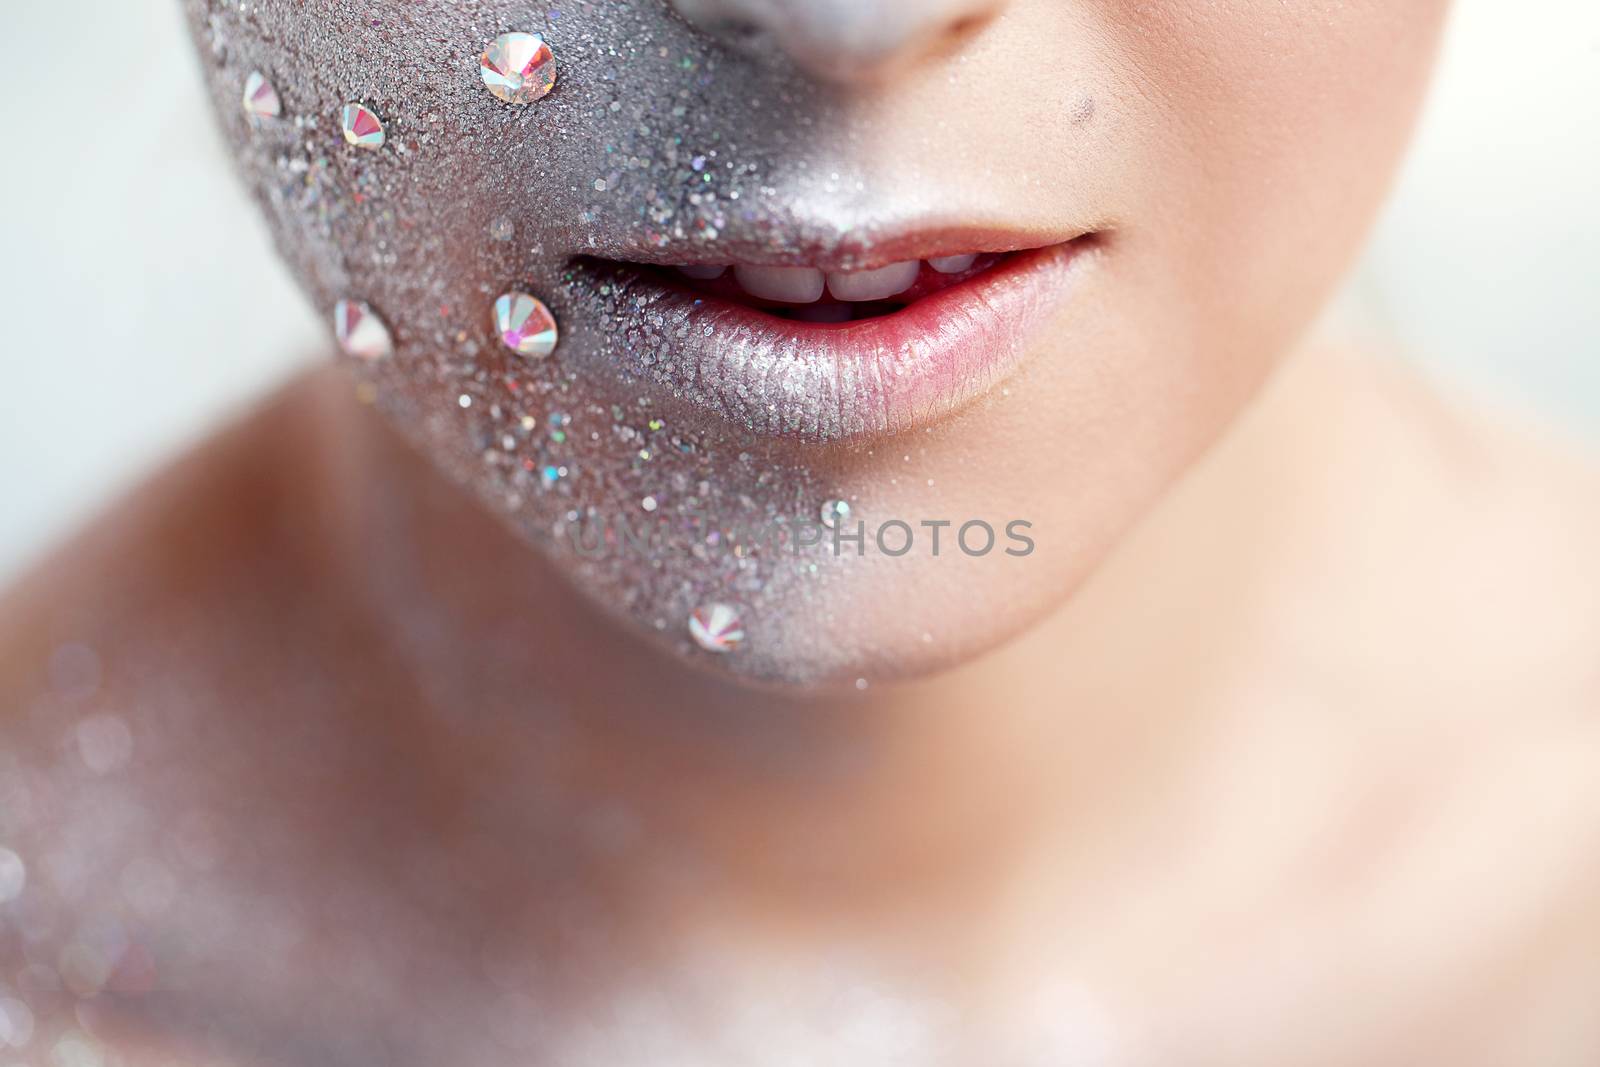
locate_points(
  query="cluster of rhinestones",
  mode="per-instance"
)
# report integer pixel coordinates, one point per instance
(518, 69)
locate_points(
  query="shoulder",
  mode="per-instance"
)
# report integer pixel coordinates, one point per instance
(1458, 540)
(149, 675)
(1429, 605)
(1513, 552)
(171, 582)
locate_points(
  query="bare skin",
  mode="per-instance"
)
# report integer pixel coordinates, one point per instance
(1308, 773)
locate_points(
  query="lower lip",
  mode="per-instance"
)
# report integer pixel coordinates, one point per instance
(837, 382)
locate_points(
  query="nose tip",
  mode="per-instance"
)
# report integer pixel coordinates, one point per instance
(839, 40)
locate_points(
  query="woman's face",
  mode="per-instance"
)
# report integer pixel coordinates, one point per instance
(1158, 196)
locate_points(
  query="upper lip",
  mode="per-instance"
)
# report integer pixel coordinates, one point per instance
(826, 248)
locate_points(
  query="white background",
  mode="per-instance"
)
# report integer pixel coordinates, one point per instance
(142, 303)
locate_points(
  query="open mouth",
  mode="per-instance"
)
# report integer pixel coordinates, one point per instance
(828, 353)
(813, 295)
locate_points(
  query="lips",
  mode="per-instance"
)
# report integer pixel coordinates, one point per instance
(826, 354)
(810, 294)
(811, 285)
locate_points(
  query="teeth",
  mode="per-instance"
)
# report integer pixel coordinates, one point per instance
(952, 264)
(877, 284)
(805, 285)
(792, 285)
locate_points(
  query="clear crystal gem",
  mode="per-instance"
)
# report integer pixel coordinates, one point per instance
(834, 512)
(716, 628)
(361, 127)
(260, 98)
(360, 331)
(525, 325)
(519, 68)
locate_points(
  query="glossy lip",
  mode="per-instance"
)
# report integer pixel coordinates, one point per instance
(822, 382)
(871, 247)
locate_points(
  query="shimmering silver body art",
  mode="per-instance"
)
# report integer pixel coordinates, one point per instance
(655, 144)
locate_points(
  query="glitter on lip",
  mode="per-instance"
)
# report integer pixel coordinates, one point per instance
(859, 245)
(825, 382)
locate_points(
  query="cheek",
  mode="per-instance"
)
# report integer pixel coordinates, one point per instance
(1249, 145)
(1279, 128)
(1241, 151)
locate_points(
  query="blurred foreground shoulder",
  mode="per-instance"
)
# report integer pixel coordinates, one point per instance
(210, 568)
(1517, 561)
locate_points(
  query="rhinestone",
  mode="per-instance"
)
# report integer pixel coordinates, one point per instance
(525, 325)
(260, 98)
(716, 628)
(361, 127)
(834, 512)
(519, 68)
(361, 332)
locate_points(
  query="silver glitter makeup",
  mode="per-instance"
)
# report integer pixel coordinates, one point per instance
(653, 143)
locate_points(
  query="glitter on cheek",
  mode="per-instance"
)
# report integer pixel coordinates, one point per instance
(564, 446)
(834, 512)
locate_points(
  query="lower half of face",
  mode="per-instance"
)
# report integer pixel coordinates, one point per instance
(813, 376)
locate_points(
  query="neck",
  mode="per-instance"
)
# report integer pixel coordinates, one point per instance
(928, 778)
